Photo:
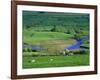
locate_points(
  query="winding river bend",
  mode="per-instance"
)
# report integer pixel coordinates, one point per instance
(75, 46)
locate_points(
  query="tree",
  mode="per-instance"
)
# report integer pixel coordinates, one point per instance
(27, 26)
(68, 32)
(53, 29)
(77, 36)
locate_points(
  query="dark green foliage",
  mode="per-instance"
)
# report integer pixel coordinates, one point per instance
(50, 21)
(31, 35)
(27, 26)
(53, 29)
(68, 32)
(27, 50)
(77, 31)
(77, 36)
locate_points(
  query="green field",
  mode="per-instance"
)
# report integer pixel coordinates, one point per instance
(54, 32)
(38, 37)
(55, 61)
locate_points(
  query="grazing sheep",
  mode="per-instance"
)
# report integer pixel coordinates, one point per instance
(51, 59)
(64, 53)
(33, 60)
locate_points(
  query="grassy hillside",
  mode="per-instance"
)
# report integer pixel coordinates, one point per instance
(36, 37)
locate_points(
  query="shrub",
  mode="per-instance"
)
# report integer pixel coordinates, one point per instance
(25, 49)
(29, 50)
(53, 29)
(35, 54)
(27, 26)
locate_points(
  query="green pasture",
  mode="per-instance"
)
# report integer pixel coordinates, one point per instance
(55, 61)
(39, 37)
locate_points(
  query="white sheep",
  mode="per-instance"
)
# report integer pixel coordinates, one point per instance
(33, 60)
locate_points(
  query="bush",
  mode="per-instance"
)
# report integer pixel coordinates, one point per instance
(34, 54)
(77, 36)
(53, 29)
(27, 50)
(68, 32)
(27, 26)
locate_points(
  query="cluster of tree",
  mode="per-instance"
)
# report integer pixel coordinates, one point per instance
(77, 33)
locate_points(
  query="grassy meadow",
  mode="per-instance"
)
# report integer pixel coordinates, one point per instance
(53, 32)
(55, 61)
